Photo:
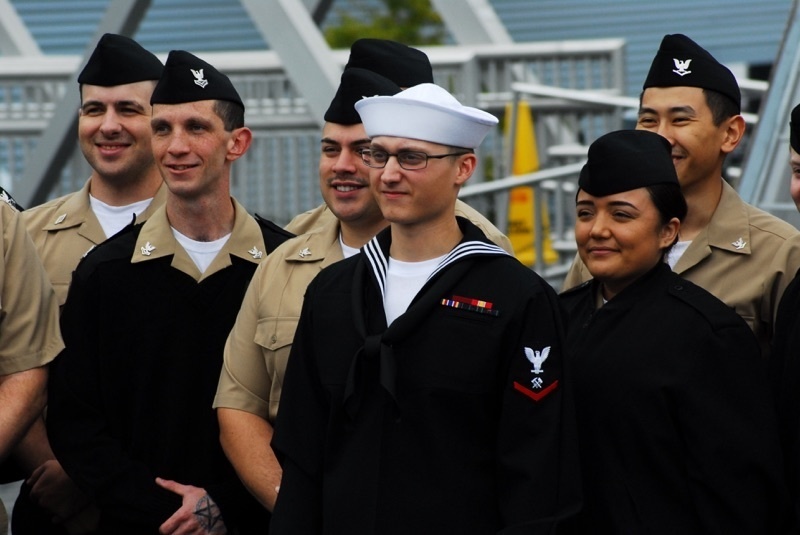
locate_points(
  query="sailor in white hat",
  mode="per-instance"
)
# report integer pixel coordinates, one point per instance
(422, 152)
(424, 389)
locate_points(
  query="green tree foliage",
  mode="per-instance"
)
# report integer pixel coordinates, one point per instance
(413, 22)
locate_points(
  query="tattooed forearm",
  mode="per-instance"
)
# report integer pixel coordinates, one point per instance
(207, 514)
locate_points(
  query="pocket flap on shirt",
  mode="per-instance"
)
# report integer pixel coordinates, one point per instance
(275, 333)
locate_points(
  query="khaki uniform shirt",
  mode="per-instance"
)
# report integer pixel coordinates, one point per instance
(321, 216)
(65, 229)
(156, 240)
(745, 257)
(29, 332)
(259, 344)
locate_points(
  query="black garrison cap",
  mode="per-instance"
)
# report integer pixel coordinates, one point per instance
(119, 60)
(682, 62)
(401, 64)
(794, 129)
(188, 78)
(625, 160)
(356, 84)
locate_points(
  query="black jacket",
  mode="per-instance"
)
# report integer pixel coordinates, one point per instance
(130, 397)
(434, 424)
(676, 425)
(785, 367)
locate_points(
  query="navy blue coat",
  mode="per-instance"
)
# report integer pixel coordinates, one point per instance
(438, 423)
(131, 395)
(785, 367)
(676, 424)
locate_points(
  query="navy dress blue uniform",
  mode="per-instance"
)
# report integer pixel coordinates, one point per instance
(785, 367)
(436, 423)
(131, 398)
(785, 358)
(676, 424)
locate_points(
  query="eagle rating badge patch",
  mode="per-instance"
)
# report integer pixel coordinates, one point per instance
(199, 80)
(537, 391)
(681, 66)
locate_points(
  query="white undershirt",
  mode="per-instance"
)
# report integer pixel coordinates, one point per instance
(201, 252)
(347, 251)
(676, 252)
(404, 280)
(115, 218)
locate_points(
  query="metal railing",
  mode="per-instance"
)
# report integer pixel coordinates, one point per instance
(574, 88)
(555, 189)
(584, 116)
(277, 177)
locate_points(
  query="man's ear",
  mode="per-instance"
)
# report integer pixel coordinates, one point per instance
(734, 131)
(466, 166)
(240, 141)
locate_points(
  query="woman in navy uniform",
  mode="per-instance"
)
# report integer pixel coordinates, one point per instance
(784, 360)
(676, 426)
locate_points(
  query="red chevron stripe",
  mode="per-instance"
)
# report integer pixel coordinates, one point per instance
(535, 396)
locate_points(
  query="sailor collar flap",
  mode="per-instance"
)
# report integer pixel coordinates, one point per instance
(473, 243)
(379, 347)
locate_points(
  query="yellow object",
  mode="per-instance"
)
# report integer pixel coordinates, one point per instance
(521, 201)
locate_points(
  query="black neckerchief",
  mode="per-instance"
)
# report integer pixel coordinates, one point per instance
(370, 274)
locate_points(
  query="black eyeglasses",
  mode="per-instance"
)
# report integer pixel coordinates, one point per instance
(408, 159)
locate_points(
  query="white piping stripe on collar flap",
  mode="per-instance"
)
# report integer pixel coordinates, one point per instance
(380, 263)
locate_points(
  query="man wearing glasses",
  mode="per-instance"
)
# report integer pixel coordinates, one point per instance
(257, 349)
(424, 392)
(409, 160)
